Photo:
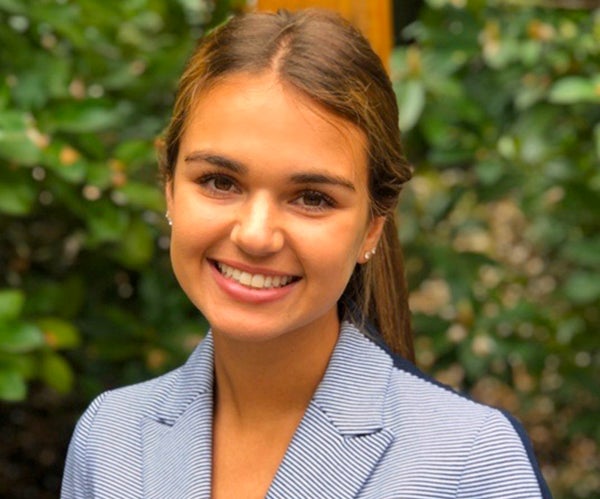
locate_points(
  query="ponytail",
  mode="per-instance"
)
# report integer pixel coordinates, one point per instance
(378, 289)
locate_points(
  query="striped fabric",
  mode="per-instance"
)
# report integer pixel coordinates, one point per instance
(376, 428)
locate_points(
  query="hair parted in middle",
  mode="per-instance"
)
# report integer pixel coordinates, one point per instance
(324, 57)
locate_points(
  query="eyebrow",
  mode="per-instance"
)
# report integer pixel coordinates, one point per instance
(319, 178)
(216, 160)
(239, 168)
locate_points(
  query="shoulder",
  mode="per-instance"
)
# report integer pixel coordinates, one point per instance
(107, 440)
(109, 431)
(163, 398)
(129, 403)
(471, 448)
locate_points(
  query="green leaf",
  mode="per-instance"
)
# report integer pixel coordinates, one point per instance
(85, 116)
(106, 222)
(12, 386)
(4, 95)
(66, 162)
(137, 155)
(17, 192)
(99, 175)
(15, 144)
(59, 333)
(23, 364)
(56, 372)
(18, 148)
(490, 171)
(19, 336)
(137, 246)
(585, 252)
(143, 196)
(583, 287)
(63, 298)
(13, 6)
(11, 303)
(567, 329)
(573, 89)
(411, 101)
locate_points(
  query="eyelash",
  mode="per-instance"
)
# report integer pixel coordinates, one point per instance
(205, 181)
(325, 202)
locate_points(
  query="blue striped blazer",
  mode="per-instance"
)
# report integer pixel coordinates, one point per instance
(375, 428)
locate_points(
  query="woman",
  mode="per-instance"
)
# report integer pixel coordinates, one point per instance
(282, 168)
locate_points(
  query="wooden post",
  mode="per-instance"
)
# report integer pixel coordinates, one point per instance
(372, 17)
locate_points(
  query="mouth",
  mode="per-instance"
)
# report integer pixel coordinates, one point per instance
(254, 281)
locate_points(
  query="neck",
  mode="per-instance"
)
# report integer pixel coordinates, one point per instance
(259, 381)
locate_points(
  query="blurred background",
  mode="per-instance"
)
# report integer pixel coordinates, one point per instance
(500, 111)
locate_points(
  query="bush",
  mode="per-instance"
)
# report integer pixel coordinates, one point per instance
(82, 232)
(501, 224)
(86, 293)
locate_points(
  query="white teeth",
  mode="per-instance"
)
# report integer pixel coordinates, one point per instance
(246, 278)
(257, 281)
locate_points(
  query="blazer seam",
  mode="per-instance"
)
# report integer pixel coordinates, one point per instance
(100, 401)
(468, 456)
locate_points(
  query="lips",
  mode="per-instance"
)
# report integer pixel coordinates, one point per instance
(255, 281)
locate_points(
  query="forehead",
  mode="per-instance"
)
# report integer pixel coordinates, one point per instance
(250, 112)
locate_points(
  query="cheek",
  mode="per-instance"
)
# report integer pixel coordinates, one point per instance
(194, 222)
(333, 248)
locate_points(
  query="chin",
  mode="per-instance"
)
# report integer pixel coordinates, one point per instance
(247, 335)
(242, 328)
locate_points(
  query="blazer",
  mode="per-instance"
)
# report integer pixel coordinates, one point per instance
(376, 428)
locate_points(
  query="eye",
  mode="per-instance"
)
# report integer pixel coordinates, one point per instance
(218, 183)
(314, 201)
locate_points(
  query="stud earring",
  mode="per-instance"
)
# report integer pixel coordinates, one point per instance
(369, 254)
(168, 217)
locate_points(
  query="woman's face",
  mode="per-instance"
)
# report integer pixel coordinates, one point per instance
(270, 209)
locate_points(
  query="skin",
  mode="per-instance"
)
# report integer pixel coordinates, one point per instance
(269, 183)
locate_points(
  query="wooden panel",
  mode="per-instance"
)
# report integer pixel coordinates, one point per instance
(372, 17)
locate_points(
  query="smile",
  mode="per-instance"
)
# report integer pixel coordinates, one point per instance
(256, 281)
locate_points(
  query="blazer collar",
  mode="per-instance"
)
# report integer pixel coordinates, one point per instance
(177, 431)
(342, 435)
(352, 392)
(339, 441)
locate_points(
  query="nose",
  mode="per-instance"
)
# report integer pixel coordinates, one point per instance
(256, 230)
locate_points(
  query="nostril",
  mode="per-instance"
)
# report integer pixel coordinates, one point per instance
(257, 238)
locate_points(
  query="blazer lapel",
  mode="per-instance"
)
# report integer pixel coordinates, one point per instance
(342, 435)
(177, 436)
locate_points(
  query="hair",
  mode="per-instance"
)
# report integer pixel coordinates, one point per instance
(324, 57)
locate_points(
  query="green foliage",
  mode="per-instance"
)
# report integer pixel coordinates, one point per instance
(501, 222)
(85, 286)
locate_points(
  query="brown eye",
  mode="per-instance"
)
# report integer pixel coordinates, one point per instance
(217, 184)
(312, 199)
(222, 183)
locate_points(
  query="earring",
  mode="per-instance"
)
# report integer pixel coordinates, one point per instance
(168, 217)
(369, 254)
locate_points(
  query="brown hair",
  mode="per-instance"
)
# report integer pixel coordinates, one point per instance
(324, 57)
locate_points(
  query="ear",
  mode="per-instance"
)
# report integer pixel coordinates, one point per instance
(169, 194)
(372, 237)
